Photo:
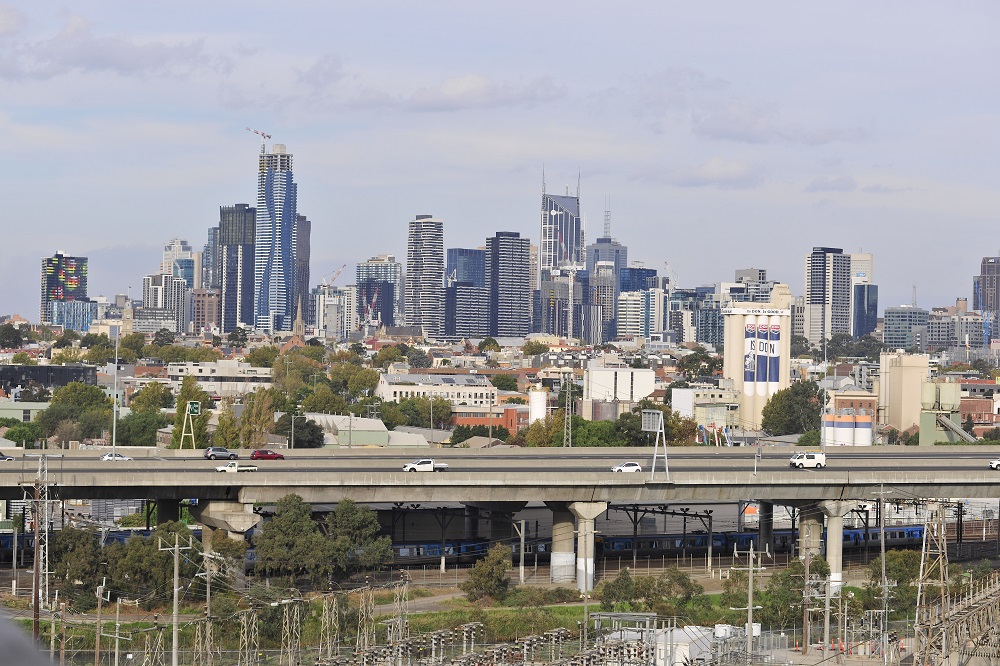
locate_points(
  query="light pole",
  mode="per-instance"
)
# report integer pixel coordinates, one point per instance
(291, 444)
(114, 416)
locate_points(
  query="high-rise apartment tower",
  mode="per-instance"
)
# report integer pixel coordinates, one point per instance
(276, 241)
(425, 275)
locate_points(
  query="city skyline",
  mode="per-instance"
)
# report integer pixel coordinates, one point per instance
(875, 137)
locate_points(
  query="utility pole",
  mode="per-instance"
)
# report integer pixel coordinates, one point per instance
(177, 588)
(62, 632)
(750, 607)
(97, 637)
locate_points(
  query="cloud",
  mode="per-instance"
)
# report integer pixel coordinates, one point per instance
(828, 184)
(77, 49)
(479, 92)
(885, 189)
(11, 20)
(669, 90)
(748, 123)
(719, 173)
(327, 70)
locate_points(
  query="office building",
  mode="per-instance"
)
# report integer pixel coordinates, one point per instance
(986, 286)
(561, 237)
(828, 294)
(466, 311)
(466, 265)
(276, 244)
(166, 302)
(865, 309)
(756, 287)
(237, 230)
(636, 277)
(336, 311)
(507, 284)
(905, 327)
(641, 313)
(74, 315)
(425, 275)
(176, 248)
(206, 310)
(377, 273)
(862, 271)
(303, 236)
(210, 261)
(64, 278)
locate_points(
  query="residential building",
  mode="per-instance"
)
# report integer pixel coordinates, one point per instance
(641, 313)
(276, 242)
(757, 288)
(604, 295)
(206, 310)
(509, 292)
(74, 315)
(303, 236)
(377, 271)
(457, 389)
(210, 261)
(425, 275)
(636, 277)
(466, 311)
(237, 231)
(221, 379)
(336, 311)
(466, 265)
(828, 294)
(986, 286)
(175, 249)
(165, 298)
(905, 327)
(64, 278)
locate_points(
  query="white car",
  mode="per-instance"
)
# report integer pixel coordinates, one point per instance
(995, 464)
(627, 467)
(114, 456)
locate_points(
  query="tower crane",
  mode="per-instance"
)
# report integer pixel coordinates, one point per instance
(336, 274)
(263, 137)
(370, 320)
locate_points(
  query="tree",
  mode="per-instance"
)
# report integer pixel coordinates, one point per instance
(358, 349)
(800, 346)
(488, 344)
(262, 357)
(238, 337)
(139, 428)
(387, 356)
(163, 337)
(23, 433)
(140, 569)
(132, 341)
(82, 403)
(290, 544)
(10, 337)
(77, 559)
(533, 348)
(699, 363)
(191, 392)
(308, 434)
(67, 339)
(810, 438)
(418, 359)
(969, 424)
(363, 382)
(488, 577)
(257, 420)
(795, 409)
(324, 401)
(66, 431)
(504, 382)
(353, 531)
(152, 398)
(66, 356)
(23, 358)
(35, 392)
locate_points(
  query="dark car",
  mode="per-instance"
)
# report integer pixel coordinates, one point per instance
(266, 454)
(220, 452)
(6, 458)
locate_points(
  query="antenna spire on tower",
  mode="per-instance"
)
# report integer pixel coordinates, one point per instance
(607, 218)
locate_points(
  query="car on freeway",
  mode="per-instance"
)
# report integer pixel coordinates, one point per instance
(114, 456)
(627, 467)
(217, 452)
(812, 459)
(6, 458)
(995, 464)
(266, 454)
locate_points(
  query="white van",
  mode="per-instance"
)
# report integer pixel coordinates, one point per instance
(808, 459)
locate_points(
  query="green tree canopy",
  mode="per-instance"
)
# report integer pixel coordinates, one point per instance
(238, 337)
(353, 532)
(308, 434)
(82, 403)
(387, 355)
(67, 339)
(10, 337)
(488, 344)
(533, 347)
(152, 398)
(504, 382)
(227, 432)
(139, 428)
(795, 409)
(418, 359)
(290, 544)
(262, 357)
(257, 419)
(133, 341)
(488, 577)
(22, 433)
(23, 358)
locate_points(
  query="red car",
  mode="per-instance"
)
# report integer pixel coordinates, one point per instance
(266, 454)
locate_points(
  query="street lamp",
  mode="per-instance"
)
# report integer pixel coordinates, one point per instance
(291, 444)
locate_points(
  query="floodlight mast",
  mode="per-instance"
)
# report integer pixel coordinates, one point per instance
(652, 421)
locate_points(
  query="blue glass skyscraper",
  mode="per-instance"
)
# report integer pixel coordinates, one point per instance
(466, 265)
(276, 242)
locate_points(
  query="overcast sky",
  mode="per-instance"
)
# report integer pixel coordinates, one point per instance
(726, 134)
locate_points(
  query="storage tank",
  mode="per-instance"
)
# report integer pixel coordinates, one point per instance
(928, 395)
(538, 399)
(950, 396)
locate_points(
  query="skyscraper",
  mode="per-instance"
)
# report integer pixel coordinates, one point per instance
(986, 286)
(166, 303)
(507, 284)
(425, 275)
(466, 265)
(385, 274)
(64, 278)
(210, 260)
(862, 268)
(276, 242)
(561, 238)
(303, 235)
(237, 230)
(175, 249)
(828, 294)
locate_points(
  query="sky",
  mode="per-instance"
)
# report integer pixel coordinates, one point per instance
(720, 135)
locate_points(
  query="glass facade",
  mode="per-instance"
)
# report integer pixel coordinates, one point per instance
(466, 265)
(64, 278)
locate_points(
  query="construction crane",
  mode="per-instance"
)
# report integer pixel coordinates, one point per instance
(263, 137)
(370, 319)
(336, 274)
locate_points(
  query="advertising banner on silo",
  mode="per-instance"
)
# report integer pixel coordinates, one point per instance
(763, 354)
(774, 359)
(749, 354)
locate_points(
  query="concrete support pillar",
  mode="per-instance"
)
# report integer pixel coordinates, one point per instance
(471, 522)
(835, 512)
(501, 526)
(167, 511)
(810, 530)
(586, 513)
(765, 518)
(230, 516)
(562, 560)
